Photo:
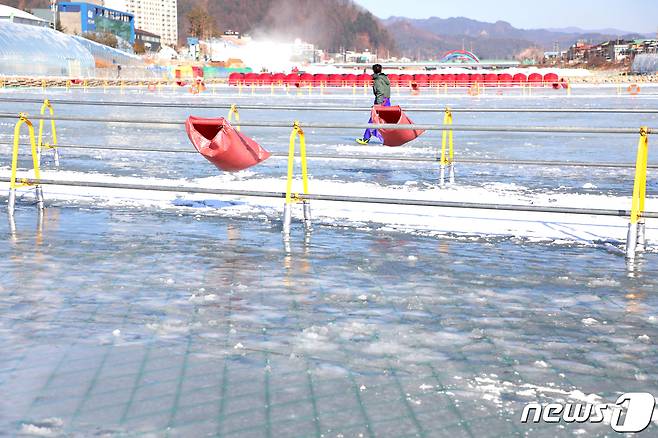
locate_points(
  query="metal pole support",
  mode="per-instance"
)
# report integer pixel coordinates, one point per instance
(287, 219)
(14, 166)
(11, 206)
(12, 227)
(636, 238)
(53, 133)
(447, 150)
(641, 236)
(290, 199)
(308, 226)
(39, 195)
(234, 112)
(631, 241)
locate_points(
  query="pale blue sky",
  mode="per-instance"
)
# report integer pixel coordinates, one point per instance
(630, 15)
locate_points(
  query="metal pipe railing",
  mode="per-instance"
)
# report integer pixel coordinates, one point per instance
(311, 125)
(371, 157)
(200, 105)
(343, 198)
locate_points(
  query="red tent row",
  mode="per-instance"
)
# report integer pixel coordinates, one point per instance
(401, 80)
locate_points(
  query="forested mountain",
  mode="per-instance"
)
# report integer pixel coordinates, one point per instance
(336, 24)
(431, 36)
(330, 24)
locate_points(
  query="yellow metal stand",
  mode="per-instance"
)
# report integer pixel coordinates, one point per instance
(636, 240)
(14, 166)
(53, 132)
(234, 112)
(447, 144)
(295, 198)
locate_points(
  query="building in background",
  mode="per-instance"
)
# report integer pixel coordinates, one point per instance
(150, 41)
(45, 14)
(159, 17)
(7, 13)
(78, 18)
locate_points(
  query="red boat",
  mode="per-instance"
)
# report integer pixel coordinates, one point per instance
(222, 145)
(394, 115)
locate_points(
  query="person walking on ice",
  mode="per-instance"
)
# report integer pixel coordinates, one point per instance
(381, 87)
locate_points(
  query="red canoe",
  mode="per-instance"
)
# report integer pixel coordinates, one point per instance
(395, 115)
(223, 145)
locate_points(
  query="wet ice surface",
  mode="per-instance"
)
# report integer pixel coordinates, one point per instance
(152, 321)
(121, 321)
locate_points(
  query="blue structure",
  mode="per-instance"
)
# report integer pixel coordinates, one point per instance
(95, 18)
(463, 56)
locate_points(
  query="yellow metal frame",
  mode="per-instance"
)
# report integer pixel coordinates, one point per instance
(447, 140)
(22, 119)
(234, 112)
(53, 129)
(297, 131)
(640, 186)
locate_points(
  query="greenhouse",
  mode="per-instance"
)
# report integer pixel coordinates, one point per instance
(39, 51)
(106, 56)
(646, 63)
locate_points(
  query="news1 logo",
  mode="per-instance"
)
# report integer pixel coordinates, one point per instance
(638, 408)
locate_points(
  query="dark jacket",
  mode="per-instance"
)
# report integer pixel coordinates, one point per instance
(381, 86)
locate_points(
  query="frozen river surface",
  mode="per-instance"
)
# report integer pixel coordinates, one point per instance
(139, 314)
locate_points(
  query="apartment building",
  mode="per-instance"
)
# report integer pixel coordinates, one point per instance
(159, 17)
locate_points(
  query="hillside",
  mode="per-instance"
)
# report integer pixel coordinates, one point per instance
(336, 24)
(418, 42)
(330, 24)
(432, 36)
